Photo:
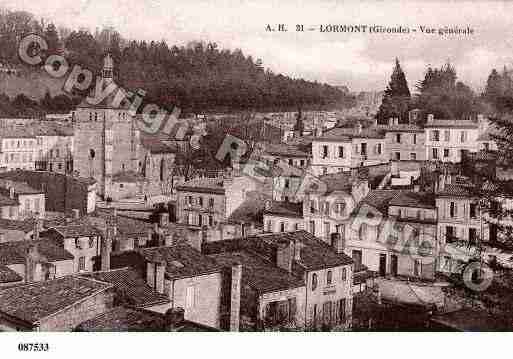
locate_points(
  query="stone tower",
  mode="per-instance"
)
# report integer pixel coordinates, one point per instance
(106, 136)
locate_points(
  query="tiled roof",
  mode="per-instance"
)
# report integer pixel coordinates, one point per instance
(347, 133)
(315, 254)
(283, 149)
(155, 145)
(15, 252)
(454, 190)
(286, 209)
(19, 187)
(403, 127)
(16, 132)
(341, 181)
(131, 287)
(259, 273)
(124, 319)
(19, 175)
(7, 201)
(51, 128)
(7, 275)
(464, 124)
(380, 199)
(413, 199)
(489, 133)
(210, 185)
(127, 177)
(77, 230)
(36, 301)
(15, 225)
(182, 261)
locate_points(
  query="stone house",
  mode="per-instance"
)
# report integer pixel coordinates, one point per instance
(55, 305)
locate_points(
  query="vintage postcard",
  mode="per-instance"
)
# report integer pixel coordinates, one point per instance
(255, 166)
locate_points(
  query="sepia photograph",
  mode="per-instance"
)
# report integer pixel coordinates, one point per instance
(282, 167)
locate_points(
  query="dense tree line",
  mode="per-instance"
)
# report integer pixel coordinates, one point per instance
(24, 106)
(439, 93)
(196, 77)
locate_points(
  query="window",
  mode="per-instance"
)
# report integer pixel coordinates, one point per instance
(398, 137)
(312, 227)
(325, 170)
(210, 221)
(486, 146)
(342, 310)
(282, 227)
(414, 138)
(341, 151)
(81, 264)
(302, 163)
(326, 229)
(189, 297)
(190, 200)
(413, 156)
(291, 162)
(449, 234)
(287, 183)
(314, 282)
(446, 152)
(343, 274)
(324, 153)
(329, 277)
(296, 226)
(312, 206)
(211, 202)
(435, 153)
(473, 210)
(435, 135)
(200, 201)
(121, 185)
(463, 137)
(378, 148)
(397, 156)
(269, 226)
(91, 242)
(447, 135)
(472, 236)
(453, 209)
(416, 268)
(357, 258)
(364, 149)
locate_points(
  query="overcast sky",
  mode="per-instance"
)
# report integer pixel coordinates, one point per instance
(360, 61)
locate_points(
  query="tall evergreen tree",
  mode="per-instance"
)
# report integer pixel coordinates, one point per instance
(396, 99)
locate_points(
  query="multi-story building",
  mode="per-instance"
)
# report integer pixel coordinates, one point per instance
(31, 200)
(448, 140)
(54, 147)
(18, 148)
(322, 298)
(290, 154)
(56, 305)
(341, 149)
(209, 201)
(108, 145)
(461, 223)
(83, 241)
(405, 141)
(323, 211)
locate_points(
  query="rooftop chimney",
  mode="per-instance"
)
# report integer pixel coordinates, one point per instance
(284, 255)
(106, 248)
(337, 242)
(235, 297)
(163, 219)
(174, 318)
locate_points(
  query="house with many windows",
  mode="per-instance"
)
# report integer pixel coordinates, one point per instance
(405, 141)
(340, 149)
(291, 279)
(449, 140)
